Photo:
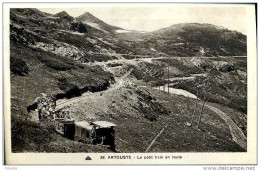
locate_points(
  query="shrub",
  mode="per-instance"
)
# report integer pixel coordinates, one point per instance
(98, 57)
(74, 63)
(78, 26)
(56, 64)
(71, 89)
(18, 66)
(150, 117)
(75, 40)
(114, 64)
(25, 136)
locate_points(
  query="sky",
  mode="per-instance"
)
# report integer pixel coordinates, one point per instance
(153, 18)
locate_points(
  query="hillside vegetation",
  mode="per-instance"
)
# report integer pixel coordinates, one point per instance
(193, 39)
(103, 74)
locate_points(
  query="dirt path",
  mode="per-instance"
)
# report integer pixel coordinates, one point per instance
(89, 104)
(153, 141)
(237, 134)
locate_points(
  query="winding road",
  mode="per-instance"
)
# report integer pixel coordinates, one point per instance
(236, 132)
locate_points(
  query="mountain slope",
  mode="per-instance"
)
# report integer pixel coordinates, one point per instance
(32, 12)
(46, 55)
(191, 39)
(64, 15)
(59, 34)
(93, 21)
(44, 49)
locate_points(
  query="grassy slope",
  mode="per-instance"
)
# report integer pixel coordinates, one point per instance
(183, 69)
(134, 132)
(46, 69)
(215, 41)
(43, 78)
(225, 88)
(213, 135)
(25, 138)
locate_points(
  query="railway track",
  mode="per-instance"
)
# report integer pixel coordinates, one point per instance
(117, 85)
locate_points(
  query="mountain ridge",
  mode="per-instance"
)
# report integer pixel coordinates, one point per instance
(204, 39)
(184, 39)
(64, 14)
(66, 58)
(88, 19)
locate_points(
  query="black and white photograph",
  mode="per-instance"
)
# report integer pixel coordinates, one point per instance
(112, 78)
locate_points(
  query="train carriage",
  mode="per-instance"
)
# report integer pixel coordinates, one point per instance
(84, 132)
(99, 132)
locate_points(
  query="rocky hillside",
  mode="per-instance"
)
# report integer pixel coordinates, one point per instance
(185, 40)
(193, 39)
(55, 42)
(87, 38)
(66, 56)
(59, 34)
(45, 53)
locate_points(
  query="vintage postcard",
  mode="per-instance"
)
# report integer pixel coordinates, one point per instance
(130, 83)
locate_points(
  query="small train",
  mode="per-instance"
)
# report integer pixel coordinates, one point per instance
(98, 132)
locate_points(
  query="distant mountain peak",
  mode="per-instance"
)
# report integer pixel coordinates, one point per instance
(199, 26)
(86, 16)
(87, 13)
(63, 14)
(93, 21)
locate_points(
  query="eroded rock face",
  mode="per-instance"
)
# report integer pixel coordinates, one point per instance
(62, 49)
(198, 62)
(217, 65)
(223, 66)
